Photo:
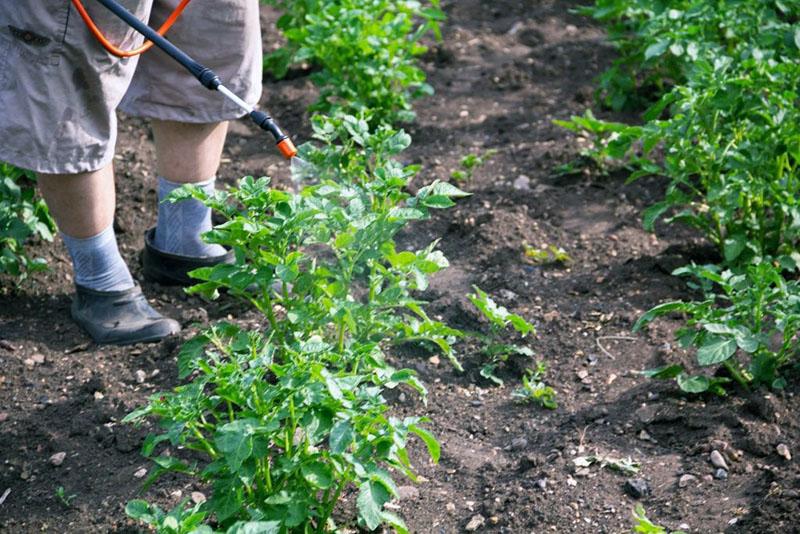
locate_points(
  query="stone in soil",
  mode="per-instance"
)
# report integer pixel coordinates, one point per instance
(198, 497)
(686, 479)
(783, 451)
(58, 458)
(140, 376)
(721, 474)
(407, 493)
(475, 523)
(638, 488)
(717, 460)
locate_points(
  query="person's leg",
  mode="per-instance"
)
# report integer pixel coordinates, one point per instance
(186, 154)
(83, 206)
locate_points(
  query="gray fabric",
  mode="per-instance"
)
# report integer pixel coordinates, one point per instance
(180, 224)
(97, 263)
(59, 88)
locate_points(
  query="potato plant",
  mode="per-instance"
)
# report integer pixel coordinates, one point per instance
(724, 132)
(282, 420)
(366, 53)
(22, 216)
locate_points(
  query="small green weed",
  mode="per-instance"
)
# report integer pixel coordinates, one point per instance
(547, 254)
(534, 390)
(63, 498)
(470, 163)
(645, 526)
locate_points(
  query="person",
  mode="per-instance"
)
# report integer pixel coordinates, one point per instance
(59, 92)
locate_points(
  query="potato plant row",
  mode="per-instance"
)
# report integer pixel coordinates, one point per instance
(723, 127)
(281, 422)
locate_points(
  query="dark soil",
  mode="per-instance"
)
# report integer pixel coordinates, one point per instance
(504, 71)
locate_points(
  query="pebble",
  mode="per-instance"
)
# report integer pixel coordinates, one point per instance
(58, 458)
(784, 452)
(450, 507)
(141, 376)
(717, 460)
(637, 488)
(518, 444)
(198, 497)
(686, 479)
(708, 478)
(475, 523)
(98, 395)
(720, 474)
(407, 493)
(523, 183)
(37, 358)
(541, 484)
(140, 473)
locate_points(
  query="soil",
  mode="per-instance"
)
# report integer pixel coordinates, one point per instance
(505, 70)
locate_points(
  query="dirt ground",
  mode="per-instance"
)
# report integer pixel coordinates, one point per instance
(503, 72)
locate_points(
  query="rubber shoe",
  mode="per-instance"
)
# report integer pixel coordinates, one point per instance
(173, 269)
(120, 317)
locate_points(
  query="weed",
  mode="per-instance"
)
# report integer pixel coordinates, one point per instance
(63, 498)
(547, 254)
(534, 390)
(470, 163)
(645, 526)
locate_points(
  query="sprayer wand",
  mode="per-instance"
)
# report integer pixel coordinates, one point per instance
(204, 75)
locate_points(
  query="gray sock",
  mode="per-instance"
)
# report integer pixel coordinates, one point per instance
(97, 262)
(180, 224)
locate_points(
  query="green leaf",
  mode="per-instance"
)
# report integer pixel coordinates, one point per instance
(235, 441)
(664, 373)
(656, 49)
(693, 384)
(716, 349)
(317, 474)
(657, 311)
(434, 449)
(341, 437)
(733, 246)
(371, 498)
(139, 510)
(651, 214)
(255, 527)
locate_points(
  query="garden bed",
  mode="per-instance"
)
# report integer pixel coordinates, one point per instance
(502, 73)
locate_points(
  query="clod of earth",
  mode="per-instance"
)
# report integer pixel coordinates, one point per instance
(638, 488)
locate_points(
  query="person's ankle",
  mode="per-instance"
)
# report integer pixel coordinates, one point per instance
(181, 224)
(97, 263)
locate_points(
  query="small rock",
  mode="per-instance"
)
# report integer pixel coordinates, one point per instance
(582, 374)
(717, 460)
(434, 360)
(198, 497)
(637, 488)
(686, 479)
(3, 416)
(721, 474)
(58, 458)
(508, 295)
(450, 507)
(708, 478)
(541, 484)
(518, 444)
(140, 473)
(571, 482)
(684, 527)
(98, 396)
(523, 183)
(37, 358)
(783, 451)
(644, 436)
(407, 493)
(475, 523)
(28, 362)
(647, 414)
(141, 376)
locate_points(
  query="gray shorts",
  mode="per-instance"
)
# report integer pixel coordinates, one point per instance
(59, 88)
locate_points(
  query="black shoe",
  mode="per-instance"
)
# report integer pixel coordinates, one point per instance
(172, 269)
(120, 317)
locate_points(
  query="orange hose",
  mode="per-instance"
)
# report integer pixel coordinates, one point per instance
(127, 53)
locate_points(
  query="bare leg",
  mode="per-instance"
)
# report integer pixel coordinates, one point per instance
(82, 204)
(188, 153)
